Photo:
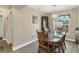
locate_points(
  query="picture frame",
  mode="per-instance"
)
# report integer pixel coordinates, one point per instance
(34, 19)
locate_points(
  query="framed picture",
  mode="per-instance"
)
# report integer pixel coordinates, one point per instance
(34, 19)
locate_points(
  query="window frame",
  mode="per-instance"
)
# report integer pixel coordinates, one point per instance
(68, 22)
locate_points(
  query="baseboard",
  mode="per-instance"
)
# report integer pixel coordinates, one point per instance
(68, 39)
(22, 45)
(27, 43)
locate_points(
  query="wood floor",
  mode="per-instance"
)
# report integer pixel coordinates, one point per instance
(71, 47)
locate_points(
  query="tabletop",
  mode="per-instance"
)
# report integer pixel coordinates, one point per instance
(56, 37)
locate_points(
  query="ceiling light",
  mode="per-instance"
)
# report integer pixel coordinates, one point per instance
(54, 15)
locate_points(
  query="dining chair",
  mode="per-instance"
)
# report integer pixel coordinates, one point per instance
(4, 46)
(63, 40)
(1, 38)
(59, 45)
(63, 45)
(44, 43)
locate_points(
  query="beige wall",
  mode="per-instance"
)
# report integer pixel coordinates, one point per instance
(78, 17)
(6, 25)
(1, 27)
(73, 21)
(23, 27)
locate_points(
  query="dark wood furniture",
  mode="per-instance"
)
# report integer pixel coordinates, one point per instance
(44, 43)
(46, 25)
(1, 38)
(55, 45)
(5, 46)
(60, 45)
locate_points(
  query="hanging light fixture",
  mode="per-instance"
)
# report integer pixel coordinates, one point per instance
(54, 15)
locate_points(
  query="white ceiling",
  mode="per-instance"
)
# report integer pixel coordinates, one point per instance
(43, 8)
(4, 9)
(7, 7)
(50, 8)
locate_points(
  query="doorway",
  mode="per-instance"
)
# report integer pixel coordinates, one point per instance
(35, 26)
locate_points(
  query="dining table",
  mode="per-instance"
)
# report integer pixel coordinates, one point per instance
(54, 36)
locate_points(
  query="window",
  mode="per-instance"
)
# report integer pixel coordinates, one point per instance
(64, 19)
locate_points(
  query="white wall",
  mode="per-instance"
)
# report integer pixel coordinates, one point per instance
(23, 28)
(1, 27)
(7, 26)
(10, 28)
(78, 17)
(73, 21)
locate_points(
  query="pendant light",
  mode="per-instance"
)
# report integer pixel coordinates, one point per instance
(54, 15)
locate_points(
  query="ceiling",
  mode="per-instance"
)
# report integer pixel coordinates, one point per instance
(50, 8)
(7, 7)
(43, 8)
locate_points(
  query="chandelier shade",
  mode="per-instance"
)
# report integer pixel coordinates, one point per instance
(54, 15)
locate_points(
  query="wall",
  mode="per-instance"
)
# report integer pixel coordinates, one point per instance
(73, 21)
(1, 27)
(7, 26)
(78, 17)
(5, 29)
(23, 27)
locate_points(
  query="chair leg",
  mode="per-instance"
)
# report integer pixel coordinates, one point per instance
(50, 51)
(57, 50)
(65, 46)
(54, 50)
(63, 50)
(39, 50)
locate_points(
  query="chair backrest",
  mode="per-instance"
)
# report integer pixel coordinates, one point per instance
(42, 37)
(46, 29)
(62, 40)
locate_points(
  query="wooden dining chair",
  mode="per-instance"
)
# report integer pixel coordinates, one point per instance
(63, 45)
(44, 43)
(1, 38)
(63, 41)
(5, 46)
(60, 45)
